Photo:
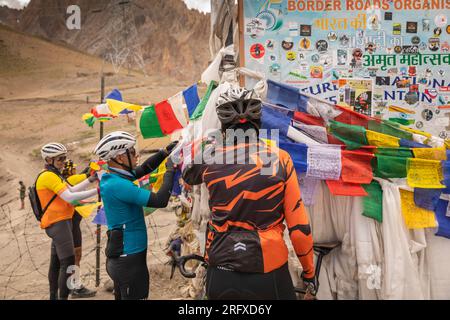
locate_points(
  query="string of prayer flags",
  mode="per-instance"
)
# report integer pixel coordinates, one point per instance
(356, 167)
(324, 162)
(394, 152)
(319, 133)
(149, 124)
(275, 119)
(430, 153)
(117, 106)
(286, 96)
(191, 98)
(427, 198)
(424, 173)
(102, 111)
(341, 188)
(198, 112)
(352, 117)
(446, 172)
(412, 144)
(170, 117)
(381, 140)
(100, 218)
(89, 119)
(443, 219)
(86, 210)
(308, 119)
(390, 167)
(415, 217)
(373, 203)
(354, 137)
(298, 153)
(388, 128)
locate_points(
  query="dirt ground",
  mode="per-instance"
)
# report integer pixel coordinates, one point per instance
(44, 90)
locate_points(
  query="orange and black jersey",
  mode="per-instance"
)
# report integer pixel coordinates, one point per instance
(249, 200)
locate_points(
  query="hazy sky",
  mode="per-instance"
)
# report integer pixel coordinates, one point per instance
(201, 5)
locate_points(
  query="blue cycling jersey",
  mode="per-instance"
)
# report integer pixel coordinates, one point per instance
(123, 202)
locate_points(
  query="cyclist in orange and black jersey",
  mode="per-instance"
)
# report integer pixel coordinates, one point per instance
(249, 200)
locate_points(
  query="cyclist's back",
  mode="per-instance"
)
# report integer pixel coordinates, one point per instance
(249, 201)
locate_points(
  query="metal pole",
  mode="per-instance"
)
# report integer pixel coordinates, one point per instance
(99, 227)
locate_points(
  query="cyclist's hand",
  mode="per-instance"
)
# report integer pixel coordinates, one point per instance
(93, 177)
(310, 284)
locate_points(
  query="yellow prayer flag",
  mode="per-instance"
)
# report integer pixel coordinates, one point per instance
(94, 166)
(159, 175)
(415, 217)
(424, 173)
(86, 116)
(381, 140)
(86, 210)
(430, 153)
(422, 133)
(117, 106)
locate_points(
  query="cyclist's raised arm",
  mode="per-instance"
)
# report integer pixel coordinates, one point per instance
(154, 161)
(70, 196)
(297, 219)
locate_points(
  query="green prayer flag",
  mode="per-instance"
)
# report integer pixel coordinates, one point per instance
(389, 167)
(390, 129)
(405, 122)
(394, 152)
(149, 124)
(373, 202)
(353, 136)
(198, 112)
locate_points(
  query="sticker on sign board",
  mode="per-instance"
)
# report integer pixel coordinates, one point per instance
(255, 27)
(440, 20)
(257, 51)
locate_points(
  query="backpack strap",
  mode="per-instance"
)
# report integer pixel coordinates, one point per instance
(52, 199)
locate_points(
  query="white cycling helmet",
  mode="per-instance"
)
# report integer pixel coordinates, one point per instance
(53, 149)
(233, 94)
(114, 144)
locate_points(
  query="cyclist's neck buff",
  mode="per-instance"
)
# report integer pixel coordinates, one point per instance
(129, 168)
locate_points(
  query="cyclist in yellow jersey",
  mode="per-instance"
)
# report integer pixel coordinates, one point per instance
(72, 178)
(56, 195)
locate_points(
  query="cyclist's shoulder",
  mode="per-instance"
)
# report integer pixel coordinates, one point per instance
(48, 176)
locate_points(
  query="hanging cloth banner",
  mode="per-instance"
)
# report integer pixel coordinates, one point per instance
(354, 137)
(149, 124)
(198, 112)
(357, 167)
(394, 152)
(415, 218)
(299, 155)
(117, 107)
(286, 96)
(324, 162)
(308, 188)
(427, 198)
(275, 119)
(390, 167)
(167, 119)
(390, 129)
(424, 173)
(430, 153)
(341, 188)
(381, 140)
(373, 203)
(191, 98)
(308, 119)
(443, 219)
(412, 144)
(352, 117)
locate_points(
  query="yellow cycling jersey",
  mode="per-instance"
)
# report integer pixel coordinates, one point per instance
(47, 185)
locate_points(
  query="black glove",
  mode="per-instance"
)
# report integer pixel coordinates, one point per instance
(93, 177)
(86, 170)
(311, 284)
(170, 147)
(170, 166)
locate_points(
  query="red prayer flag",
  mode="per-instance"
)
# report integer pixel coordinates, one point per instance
(166, 118)
(341, 188)
(356, 167)
(352, 117)
(308, 119)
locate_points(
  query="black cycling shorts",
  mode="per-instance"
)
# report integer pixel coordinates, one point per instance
(76, 230)
(228, 285)
(130, 276)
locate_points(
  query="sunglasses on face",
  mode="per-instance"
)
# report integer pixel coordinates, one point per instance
(62, 159)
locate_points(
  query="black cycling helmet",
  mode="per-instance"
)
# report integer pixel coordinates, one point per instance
(237, 107)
